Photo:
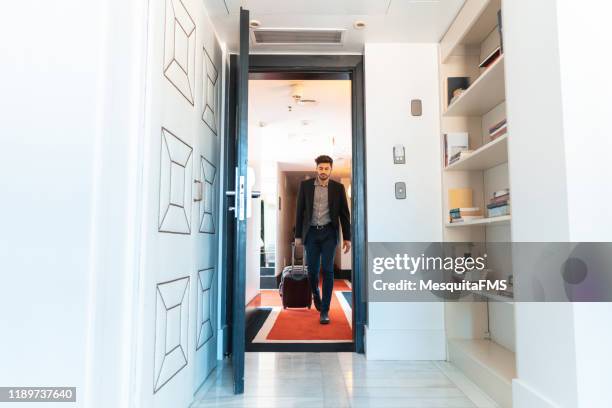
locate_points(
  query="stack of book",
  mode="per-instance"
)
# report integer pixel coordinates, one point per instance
(491, 58)
(464, 214)
(459, 156)
(455, 143)
(499, 204)
(497, 130)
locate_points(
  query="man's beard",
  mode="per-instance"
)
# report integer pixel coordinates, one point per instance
(323, 176)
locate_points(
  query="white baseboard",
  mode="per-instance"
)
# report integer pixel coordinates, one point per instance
(405, 344)
(523, 396)
(205, 386)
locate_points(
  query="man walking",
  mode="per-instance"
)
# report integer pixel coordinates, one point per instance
(321, 207)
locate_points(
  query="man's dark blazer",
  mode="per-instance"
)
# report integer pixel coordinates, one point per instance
(338, 208)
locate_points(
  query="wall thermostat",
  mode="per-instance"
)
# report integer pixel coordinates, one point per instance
(399, 154)
(400, 190)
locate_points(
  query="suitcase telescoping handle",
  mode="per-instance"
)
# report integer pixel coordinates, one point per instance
(293, 258)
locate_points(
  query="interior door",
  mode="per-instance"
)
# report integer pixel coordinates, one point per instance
(240, 212)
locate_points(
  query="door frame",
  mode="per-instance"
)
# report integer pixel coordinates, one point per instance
(350, 66)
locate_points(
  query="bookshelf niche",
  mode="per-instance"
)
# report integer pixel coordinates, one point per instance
(476, 197)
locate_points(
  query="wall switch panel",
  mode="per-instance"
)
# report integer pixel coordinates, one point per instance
(400, 190)
(399, 154)
(416, 107)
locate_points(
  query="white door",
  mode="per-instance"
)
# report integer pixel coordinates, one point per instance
(177, 334)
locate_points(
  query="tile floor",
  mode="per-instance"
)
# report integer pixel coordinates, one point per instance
(315, 380)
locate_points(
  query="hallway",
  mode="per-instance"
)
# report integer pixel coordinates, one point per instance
(470, 137)
(297, 380)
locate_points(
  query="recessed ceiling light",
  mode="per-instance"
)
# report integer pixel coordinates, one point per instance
(254, 24)
(359, 25)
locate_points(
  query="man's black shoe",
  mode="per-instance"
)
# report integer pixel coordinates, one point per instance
(324, 318)
(317, 303)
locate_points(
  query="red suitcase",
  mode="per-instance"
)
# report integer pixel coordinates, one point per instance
(295, 287)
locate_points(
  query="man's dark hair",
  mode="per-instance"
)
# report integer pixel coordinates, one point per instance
(324, 159)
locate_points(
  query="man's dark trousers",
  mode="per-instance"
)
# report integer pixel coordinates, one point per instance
(320, 246)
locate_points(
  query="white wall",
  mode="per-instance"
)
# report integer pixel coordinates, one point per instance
(71, 103)
(583, 30)
(562, 349)
(544, 332)
(395, 74)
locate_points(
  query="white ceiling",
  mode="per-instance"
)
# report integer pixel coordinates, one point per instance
(293, 139)
(387, 20)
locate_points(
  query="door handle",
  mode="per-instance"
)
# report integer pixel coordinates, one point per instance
(238, 207)
(232, 193)
(233, 207)
(199, 194)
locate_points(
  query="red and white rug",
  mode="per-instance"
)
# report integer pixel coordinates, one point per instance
(302, 325)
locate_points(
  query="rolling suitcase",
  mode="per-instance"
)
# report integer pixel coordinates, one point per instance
(295, 287)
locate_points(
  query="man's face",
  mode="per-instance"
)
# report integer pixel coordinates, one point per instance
(324, 171)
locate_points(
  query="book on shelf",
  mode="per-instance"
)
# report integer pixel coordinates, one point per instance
(502, 192)
(501, 199)
(500, 29)
(497, 130)
(462, 214)
(459, 156)
(460, 198)
(491, 58)
(499, 211)
(454, 143)
(499, 204)
(498, 126)
(466, 218)
(499, 133)
(465, 210)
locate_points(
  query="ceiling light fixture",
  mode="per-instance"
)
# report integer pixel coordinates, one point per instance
(254, 24)
(359, 25)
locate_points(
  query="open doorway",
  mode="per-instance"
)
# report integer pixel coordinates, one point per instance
(291, 122)
(292, 67)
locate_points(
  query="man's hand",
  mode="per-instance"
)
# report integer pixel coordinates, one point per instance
(298, 242)
(346, 246)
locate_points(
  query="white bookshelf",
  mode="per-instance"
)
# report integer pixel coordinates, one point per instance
(480, 334)
(485, 93)
(474, 23)
(502, 220)
(486, 156)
